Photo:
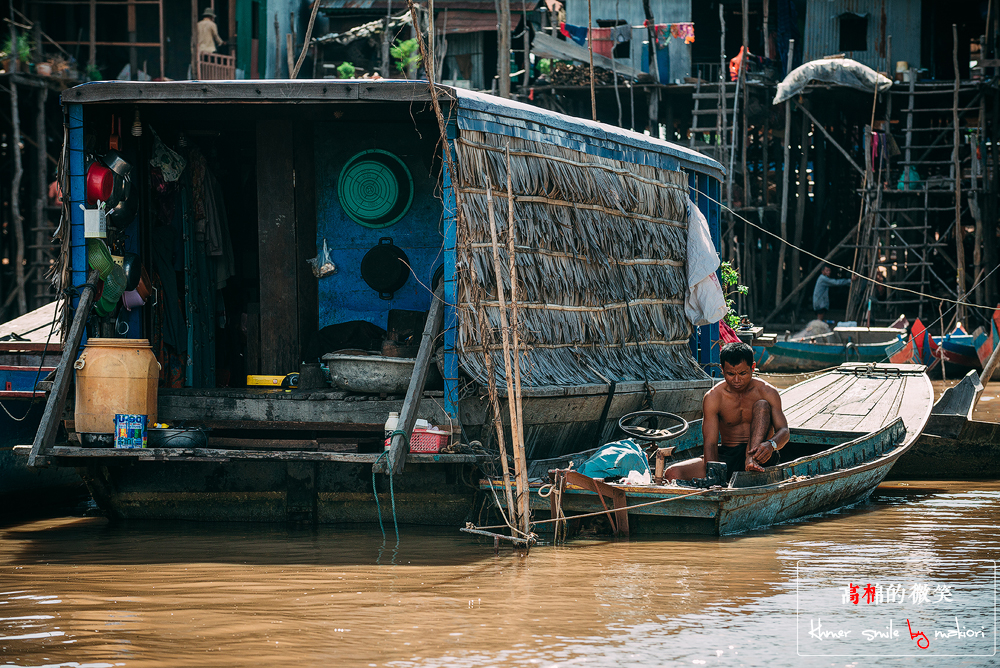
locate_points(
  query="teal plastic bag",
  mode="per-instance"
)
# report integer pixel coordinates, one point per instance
(616, 459)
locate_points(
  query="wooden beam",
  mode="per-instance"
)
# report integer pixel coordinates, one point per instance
(503, 49)
(830, 138)
(45, 437)
(279, 332)
(957, 166)
(415, 392)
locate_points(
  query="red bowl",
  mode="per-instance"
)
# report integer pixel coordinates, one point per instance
(100, 183)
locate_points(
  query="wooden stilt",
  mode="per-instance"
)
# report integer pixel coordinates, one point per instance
(784, 187)
(957, 166)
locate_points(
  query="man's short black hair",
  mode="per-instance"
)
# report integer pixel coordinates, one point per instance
(734, 353)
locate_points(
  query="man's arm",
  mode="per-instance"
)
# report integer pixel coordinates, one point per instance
(762, 453)
(710, 427)
(840, 282)
(215, 34)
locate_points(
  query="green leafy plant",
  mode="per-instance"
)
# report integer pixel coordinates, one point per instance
(345, 70)
(406, 53)
(731, 277)
(544, 66)
(24, 47)
(94, 74)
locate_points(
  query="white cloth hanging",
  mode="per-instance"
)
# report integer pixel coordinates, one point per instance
(704, 302)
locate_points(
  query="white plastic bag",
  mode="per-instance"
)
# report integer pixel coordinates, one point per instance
(322, 265)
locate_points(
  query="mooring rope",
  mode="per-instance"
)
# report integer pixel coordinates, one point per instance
(392, 492)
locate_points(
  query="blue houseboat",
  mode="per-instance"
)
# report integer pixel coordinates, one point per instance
(289, 222)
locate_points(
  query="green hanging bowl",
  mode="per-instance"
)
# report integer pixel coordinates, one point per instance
(375, 188)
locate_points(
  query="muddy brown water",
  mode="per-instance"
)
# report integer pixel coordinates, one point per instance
(85, 592)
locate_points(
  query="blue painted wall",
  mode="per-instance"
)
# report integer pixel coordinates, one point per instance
(344, 296)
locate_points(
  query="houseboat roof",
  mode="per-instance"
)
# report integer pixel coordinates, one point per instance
(477, 111)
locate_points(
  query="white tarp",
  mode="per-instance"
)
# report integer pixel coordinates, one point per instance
(704, 302)
(836, 71)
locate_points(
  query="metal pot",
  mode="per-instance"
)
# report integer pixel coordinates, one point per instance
(116, 163)
(125, 206)
(133, 270)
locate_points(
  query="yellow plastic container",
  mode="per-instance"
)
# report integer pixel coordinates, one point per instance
(272, 381)
(114, 376)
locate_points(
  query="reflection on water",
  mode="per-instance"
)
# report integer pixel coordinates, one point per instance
(83, 592)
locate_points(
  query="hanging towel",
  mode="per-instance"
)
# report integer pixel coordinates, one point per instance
(576, 33)
(704, 302)
(621, 34)
(684, 31)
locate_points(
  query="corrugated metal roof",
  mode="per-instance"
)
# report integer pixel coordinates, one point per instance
(899, 19)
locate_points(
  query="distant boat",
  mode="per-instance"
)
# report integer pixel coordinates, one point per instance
(953, 446)
(986, 340)
(958, 350)
(824, 351)
(29, 351)
(848, 428)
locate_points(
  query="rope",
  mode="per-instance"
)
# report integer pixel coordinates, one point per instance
(605, 512)
(957, 302)
(392, 492)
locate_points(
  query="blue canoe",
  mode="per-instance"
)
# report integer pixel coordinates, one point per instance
(843, 344)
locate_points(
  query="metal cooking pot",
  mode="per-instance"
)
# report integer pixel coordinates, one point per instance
(116, 163)
(133, 270)
(385, 268)
(124, 206)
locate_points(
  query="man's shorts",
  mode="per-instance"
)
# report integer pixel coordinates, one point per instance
(735, 458)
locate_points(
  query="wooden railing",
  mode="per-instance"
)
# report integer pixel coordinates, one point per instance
(215, 66)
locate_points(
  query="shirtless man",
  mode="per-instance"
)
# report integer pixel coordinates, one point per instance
(747, 412)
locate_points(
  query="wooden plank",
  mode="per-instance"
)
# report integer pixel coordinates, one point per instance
(887, 409)
(305, 231)
(279, 331)
(49, 424)
(804, 406)
(187, 454)
(214, 91)
(414, 393)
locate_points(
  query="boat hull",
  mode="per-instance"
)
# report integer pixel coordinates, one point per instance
(794, 356)
(281, 491)
(973, 455)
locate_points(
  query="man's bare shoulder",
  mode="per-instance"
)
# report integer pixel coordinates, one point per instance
(766, 390)
(717, 390)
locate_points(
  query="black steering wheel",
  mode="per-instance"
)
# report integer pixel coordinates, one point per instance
(654, 433)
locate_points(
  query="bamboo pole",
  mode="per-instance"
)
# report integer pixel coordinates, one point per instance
(195, 69)
(743, 121)
(305, 42)
(590, 48)
(654, 71)
(800, 204)
(41, 173)
(957, 166)
(784, 185)
(520, 456)
(15, 188)
(515, 428)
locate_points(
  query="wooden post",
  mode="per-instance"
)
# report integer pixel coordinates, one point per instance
(15, 187)
(590, 48)
(133, 52)
(784, 185)
(976, 203)
(93, 33)
(51, 417)
(800, 204)
(277, 48)
(503, 49)
(385, 41)
(654, 71)
(41, 172)
(294, 72)
(431, 66)
(289, 50)
(415, 390)
(195, 69)
(767, 30)
(163, 41)
(743, 120)
(957, 166)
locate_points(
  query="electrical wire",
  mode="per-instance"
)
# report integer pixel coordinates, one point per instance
(956, 302)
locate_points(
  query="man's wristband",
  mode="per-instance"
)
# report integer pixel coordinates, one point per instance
(774, 444)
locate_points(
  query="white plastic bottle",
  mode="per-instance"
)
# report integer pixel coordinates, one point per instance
(390, 426)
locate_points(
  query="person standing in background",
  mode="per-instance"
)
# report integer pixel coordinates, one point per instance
(821, 293)
(208, 33)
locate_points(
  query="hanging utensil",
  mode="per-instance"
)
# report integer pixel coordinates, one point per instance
(113, 139)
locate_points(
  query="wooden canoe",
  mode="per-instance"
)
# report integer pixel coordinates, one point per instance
(849, 427)
(953, 446)
(843, 344)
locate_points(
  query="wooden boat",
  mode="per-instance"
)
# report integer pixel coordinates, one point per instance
(958, 351)
(843, 344)
(986, 340)
(26, 358)
(848, 428)
(953, 446)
